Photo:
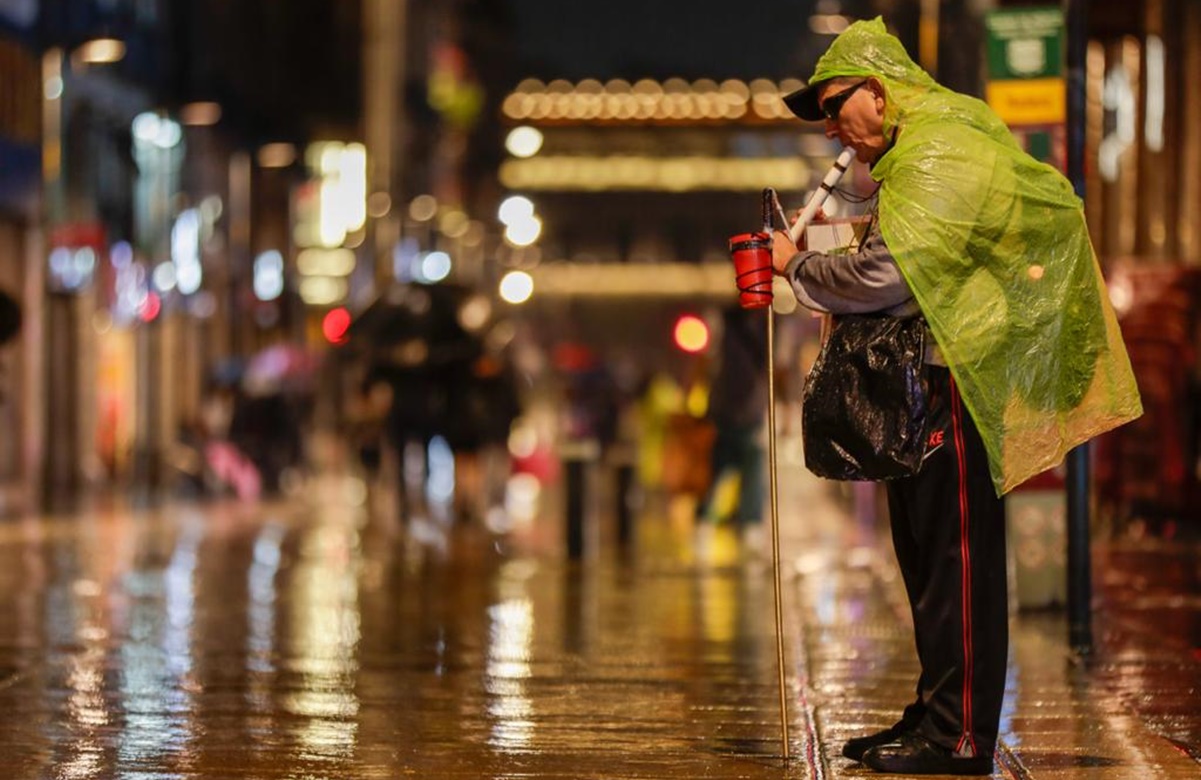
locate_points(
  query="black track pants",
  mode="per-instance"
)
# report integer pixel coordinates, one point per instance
(948, 530)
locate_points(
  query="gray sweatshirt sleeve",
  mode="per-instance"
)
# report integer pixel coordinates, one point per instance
(864, 281)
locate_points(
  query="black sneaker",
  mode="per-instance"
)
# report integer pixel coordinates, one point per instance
(913, 754)
(855, 747)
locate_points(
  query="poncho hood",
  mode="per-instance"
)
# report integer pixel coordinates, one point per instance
(995, 249)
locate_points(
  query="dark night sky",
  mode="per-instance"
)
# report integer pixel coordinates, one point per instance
(663, 38)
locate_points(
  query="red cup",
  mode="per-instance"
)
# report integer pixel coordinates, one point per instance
(751, 253)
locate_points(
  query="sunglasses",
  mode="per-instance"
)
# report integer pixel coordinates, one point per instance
(832, 106)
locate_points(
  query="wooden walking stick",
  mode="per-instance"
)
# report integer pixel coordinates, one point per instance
(752, 255)
(775, 522)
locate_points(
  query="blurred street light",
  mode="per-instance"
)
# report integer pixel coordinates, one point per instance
(276, 155)
(268, 281)
(522, 225)
(150, 129)
(524, 232)
(378, 205)
(524, 141)
(435, 266)
(514, 209)
(99, 51)
(423, 208)
(202, 113)
(516, 287)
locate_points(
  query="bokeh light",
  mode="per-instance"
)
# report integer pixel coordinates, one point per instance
(691, 333)
(335, 325)
(524, 141)
(516, 287)
(524, 232)
(515, 208)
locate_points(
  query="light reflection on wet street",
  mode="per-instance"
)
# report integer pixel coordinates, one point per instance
(1150, 634)
(288, 642)
(299, 640)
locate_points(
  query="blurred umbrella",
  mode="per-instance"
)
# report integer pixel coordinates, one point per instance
(424, 340)
(417, 325)
(280, 368)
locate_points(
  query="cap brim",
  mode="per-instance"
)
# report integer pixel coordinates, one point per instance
(804, 103)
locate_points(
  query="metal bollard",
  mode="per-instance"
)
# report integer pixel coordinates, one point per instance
(624, 479)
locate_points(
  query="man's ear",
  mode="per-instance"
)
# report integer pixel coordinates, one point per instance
(877, 89)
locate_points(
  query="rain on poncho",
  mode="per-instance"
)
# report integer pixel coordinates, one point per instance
(994, 247)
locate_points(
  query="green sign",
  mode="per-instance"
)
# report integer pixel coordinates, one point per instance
(1024, 43)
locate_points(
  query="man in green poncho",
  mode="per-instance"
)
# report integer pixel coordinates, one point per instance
(1026, 361)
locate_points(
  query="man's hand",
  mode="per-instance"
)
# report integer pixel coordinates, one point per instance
(782, 250)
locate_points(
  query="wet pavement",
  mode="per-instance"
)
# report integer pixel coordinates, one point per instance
(303, 639)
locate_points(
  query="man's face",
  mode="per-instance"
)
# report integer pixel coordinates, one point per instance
(859, 121)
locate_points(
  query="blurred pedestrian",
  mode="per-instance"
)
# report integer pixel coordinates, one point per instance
(366, 420)
(483, 405)
(226, 465)
(417, 413)
(659, 398)
(591, 404)
(266, 427)
(737, 405)
(688, 438)
(1024, 361)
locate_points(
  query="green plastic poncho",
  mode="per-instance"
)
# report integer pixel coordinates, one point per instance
(995, 249)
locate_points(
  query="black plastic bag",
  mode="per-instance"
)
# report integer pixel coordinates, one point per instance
(863, 413)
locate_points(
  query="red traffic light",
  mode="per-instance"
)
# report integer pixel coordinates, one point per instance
(691, 333)
(335, 324)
